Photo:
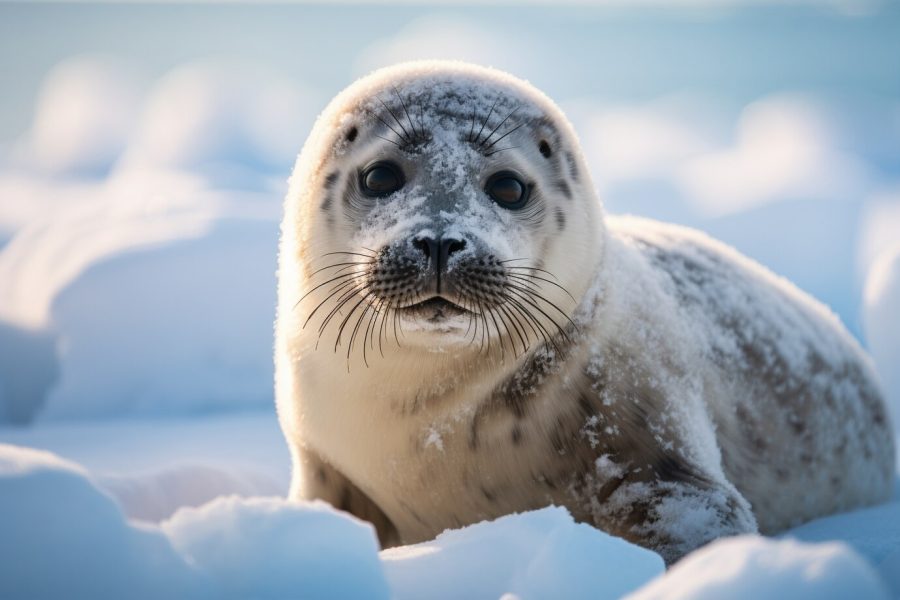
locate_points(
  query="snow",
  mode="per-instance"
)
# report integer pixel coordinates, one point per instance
(541, 554)
(63, 537)
(752, 567)
(268, 548)
(85, 114)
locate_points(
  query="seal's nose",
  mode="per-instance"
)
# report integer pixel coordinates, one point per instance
(438, 251)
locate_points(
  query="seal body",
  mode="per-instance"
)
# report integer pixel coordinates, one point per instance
(462, 333)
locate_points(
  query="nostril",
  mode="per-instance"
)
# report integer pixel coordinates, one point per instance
(452, 245)
(425, 246)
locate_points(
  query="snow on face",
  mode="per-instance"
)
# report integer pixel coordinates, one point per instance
(447, 140)
(476, 179)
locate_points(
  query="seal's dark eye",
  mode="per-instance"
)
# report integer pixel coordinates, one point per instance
(381, 179)
(507, 190)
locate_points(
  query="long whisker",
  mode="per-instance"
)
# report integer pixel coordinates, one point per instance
(388, 125)
(499, 125)
(340, 264)
(341, 287)
(486, 119)
(493, 152)
(535, 295)
(539, 278)
(408, 118)
(341, 276)
(514, 129)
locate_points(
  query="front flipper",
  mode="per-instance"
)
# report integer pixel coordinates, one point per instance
(674, 517)
(316, 479)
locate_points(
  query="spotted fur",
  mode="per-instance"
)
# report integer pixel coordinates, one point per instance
(654, 382)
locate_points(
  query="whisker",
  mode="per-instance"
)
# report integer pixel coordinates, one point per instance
(486, 119)
(514, 129)
(341, 301)
(388, 125)
(341, 276)
(352, 253)
(388, 140)
(500, 150)
(499, 125)
(538, 277)
(341, 287)
(317, 271)
(408, 118)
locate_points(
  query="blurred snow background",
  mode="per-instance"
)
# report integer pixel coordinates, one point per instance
(144, 150)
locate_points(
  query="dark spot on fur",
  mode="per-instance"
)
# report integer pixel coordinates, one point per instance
(351, 134)
(563, 188)
(326, 203)
(346, 500)
(331, 179)
(672, 468)
(489, 496)
(573, 165)
(798, 426)
(516, 435)
(560, 219)
(321, 476)
(545, 150)
(525, 384)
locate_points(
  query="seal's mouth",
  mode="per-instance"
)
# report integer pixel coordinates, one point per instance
(434, 309)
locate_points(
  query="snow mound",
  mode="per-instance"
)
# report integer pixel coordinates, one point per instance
(157, 296)
(540, 554)
(752, 567)
(210, 116)
(181, 328)
(62, 538)
(872, 532)
(268, 548)
(85, 113)
(881, 319)
(158, 495)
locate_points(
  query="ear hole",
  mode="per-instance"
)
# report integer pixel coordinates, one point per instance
(544, 147)
(351, 134)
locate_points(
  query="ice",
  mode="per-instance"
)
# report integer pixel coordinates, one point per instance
(751, 567)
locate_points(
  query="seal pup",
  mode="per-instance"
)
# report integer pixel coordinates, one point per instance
(462, 334)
